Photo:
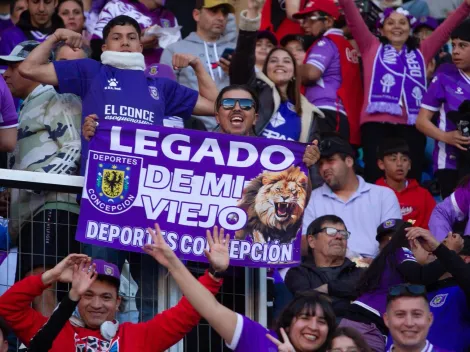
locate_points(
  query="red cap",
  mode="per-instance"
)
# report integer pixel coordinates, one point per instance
(326, 6)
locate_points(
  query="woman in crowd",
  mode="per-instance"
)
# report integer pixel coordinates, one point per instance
(348, 340)
(284, 113)
(308, 321)
(72, 13)
(394, 265)
(395, 79)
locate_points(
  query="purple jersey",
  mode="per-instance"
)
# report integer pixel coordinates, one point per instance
(376, 302)
(250, 336)
(8, 115)
(5, 22)
(146, 18)
(325, 56)
(123, 96)
(448, 89)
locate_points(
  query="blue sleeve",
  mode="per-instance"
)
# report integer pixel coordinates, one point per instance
(179, 100)
(75, 76)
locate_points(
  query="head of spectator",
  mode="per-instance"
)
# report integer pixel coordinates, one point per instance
(408, 317)
(236, 110)
(309, 313)
(387, 258)
(16, 9)
(41, 12)
(122, 34)
(4, 331)
(72, 13)
(318, 16)
(386, 230)
(336, 164)
(424, 27)
(101, 302)
(19, 86)
(461, 46)
(65, 52)
(347, 339)
(211, 18)
(327, 238)
(280, 67)
(296, 45)
(394, 160)
(265, 42)
(395, 28)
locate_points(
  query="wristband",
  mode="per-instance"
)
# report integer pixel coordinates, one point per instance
(217, 275)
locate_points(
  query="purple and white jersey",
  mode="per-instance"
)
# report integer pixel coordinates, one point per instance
(250, 336)
(448, 89)
(8, 115)
(146, 18)
(376, 302)
(325, 56)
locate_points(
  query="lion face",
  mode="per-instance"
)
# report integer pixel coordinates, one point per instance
(280, 202)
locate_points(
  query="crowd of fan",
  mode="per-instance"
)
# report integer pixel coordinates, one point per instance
(384, 267)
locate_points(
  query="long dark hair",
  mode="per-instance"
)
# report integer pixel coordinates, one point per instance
(371, 278)
(293, 87)
(307, 301)
(354, 335)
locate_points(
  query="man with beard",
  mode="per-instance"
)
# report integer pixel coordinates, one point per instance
(362, 206)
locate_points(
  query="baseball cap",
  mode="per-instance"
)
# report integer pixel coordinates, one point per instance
(331, 145)
(426, 21)
(209, 4)
(20, 52)
(108, 269)
(292, 37)
(327, 6)
(160, 71)
(388, 227)
(267, 35)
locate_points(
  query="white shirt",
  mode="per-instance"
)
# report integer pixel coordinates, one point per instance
(367, 208)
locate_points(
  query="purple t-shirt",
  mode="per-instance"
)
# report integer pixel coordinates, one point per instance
(8, 115)
(448, 89)
(376, 302)
(325, 56)
(122, 96)
(250, 336)
(5, 22)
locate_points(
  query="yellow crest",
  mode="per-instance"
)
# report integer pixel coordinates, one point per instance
(113, 183)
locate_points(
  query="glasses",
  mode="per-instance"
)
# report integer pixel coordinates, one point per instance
(313, 18)
(331, 231)
(245, 104)
(407, 289)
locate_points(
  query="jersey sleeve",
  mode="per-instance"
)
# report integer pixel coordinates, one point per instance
(75, 76)
(405, 255)
(8, 115)
(179, 100)
(322, 54)
(434, 97)
(250, 336)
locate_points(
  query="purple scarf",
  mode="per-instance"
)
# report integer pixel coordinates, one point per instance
(397, 75)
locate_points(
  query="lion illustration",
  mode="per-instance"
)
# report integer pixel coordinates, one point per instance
(274, 203)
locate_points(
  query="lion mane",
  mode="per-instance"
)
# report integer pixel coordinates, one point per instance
(274, 203)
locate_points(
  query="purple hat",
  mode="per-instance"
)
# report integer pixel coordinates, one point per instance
(160, 71)
(388, 11)
(429, 22)
(105, 268)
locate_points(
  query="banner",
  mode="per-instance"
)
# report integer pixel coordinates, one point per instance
(188, 181)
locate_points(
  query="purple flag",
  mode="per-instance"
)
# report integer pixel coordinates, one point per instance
(188, 181)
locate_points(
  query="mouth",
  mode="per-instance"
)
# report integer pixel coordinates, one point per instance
(310, 337)
(282, 209)
(237, 120)
(279, 70)
(397, 33)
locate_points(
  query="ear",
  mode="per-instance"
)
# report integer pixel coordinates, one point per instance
(196, 15)
(118, 303)
(311, 241)
(217, 118)
(349, 161)
(380, 164)
(256, 119)
(385, 318)
(141, 47)
(431, 318)
(104, 47)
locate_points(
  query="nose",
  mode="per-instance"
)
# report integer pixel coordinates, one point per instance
(409, 320)
(95, 302)
(237, 106)
(42, 6)
(313, 324)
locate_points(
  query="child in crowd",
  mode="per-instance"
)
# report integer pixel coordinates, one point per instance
(416, 203)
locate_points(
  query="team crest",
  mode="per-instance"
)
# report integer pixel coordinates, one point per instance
(112, 186)
(108, 270)
(165, 23)
(154, 92)
(439, 300)
(389, 223)
(153, 70)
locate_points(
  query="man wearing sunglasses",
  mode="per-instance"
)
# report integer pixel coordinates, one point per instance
(409, 319)
(327, 269)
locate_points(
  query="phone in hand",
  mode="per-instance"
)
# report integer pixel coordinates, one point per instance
(227, 52)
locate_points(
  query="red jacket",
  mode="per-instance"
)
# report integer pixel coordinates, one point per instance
(158, 334)
(416, 202)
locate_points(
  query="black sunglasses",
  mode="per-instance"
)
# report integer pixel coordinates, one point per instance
(245, 103)
(407, 289)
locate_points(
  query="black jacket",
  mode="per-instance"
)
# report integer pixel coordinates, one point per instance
(342, 290)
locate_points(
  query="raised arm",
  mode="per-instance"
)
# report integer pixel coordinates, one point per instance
(431, 45)
(454, 208)
(222, 319)
(37, 67)
(361, 33)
